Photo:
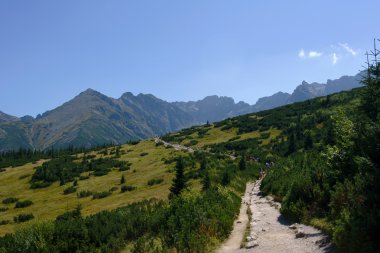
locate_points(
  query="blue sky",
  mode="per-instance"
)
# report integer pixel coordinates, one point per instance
(177, 50)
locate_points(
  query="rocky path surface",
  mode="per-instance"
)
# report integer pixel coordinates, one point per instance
(237, 235)
(188, 149)
(174, 145)
(269, 232)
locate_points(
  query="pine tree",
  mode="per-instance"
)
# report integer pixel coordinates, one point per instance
(226, 178)
(291, 143)
(179, 180)
(203, 165)
(206, 182)
(122, 180)
(308, 143)
(242, 164)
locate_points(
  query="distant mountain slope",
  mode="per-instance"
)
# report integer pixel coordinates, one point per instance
(92, 118)
(6, 118)
(276, 100)
(214, 108)
(307, 91)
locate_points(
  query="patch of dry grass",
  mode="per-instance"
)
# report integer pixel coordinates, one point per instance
(50, 202)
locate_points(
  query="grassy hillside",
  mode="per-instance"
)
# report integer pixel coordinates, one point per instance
(147, 162)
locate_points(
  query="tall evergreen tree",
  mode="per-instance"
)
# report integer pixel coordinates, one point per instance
(308, 140)
(203, 164)
(242, 163)
(122, 180)
(179, 180)
(291, 143)
(206, 182)
(226, 178)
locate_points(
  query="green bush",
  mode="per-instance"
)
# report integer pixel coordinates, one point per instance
(155, 181)
(264, 135)
(10, 200)
(4, 222)
(39, 184)
(69, 190)
(127, 188)
(83, 194)
(124, 168)
(23, 217)
(114, 188)
(84, 177)
(100, 195)
(22, 204)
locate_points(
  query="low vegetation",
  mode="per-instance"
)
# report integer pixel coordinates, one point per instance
(22, 204)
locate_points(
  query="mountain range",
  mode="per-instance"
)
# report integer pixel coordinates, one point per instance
(92, 118)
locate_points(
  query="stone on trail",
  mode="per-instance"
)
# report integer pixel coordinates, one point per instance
(251, 245)
(293, 226)
(300, 233)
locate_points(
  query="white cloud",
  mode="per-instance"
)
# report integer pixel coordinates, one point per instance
(334, 58)
(301, 53)
(314, 54)
(311, 54)
(348, 49)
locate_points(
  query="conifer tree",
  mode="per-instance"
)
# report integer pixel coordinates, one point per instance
(242, 164)
(226, 178)
(203, 165)
(206, 182)
(179, 180)
(122, 180)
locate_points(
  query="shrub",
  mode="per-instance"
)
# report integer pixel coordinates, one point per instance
(100, 195)
(39, 184)
(22, 204)
(4, 222)
(10, 200)
(127, 188)
(264, 135)
(100, 173)
(124, 168)
(23, 217)
(115, 188)
(144, 154)
(69, 190)
(3, 209)
(83, 194)
(191, 143)
(84, 177)
(24, 176)
(155, 181)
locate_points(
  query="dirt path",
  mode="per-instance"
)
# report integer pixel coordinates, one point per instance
(270, 233)
(175, 146)
(234, 241)
(188, 149)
